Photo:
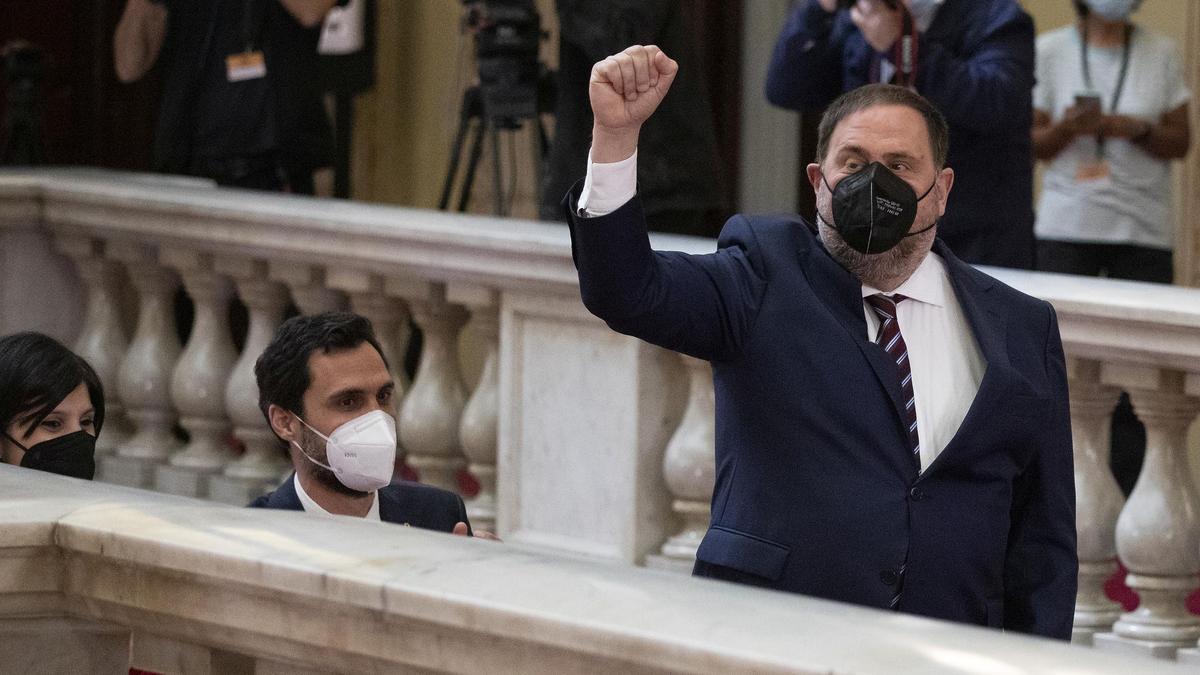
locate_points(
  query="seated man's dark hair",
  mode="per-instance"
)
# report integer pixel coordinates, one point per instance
(282, 369)
(36, 373)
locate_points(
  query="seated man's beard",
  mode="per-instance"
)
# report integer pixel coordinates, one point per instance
(314, 446)
(878, 269)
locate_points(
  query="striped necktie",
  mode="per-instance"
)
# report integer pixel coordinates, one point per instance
(892, 341)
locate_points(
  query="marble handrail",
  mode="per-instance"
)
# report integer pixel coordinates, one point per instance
(333, 594)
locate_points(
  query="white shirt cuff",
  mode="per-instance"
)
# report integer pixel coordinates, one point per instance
(608, 187)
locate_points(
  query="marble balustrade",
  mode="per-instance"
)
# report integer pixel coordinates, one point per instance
(581, 440)
(98, 578)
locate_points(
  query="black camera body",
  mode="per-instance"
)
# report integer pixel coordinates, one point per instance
(508, 35)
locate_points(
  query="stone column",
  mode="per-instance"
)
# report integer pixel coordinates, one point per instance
(199, 379)
(258, 469)
(689, 469)
(308, 289)
(477, 429)
(144, 378)
(431, 412)
(102, 341)
(1158, 530)
(1098, 499)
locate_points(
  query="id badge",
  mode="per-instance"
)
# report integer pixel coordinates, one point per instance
(1092, 170)
(245, 66)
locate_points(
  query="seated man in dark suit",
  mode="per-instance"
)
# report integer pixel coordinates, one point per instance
(892, 424)
(325, 389)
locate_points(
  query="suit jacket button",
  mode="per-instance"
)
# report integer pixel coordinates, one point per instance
(916, 494)
(889, 577)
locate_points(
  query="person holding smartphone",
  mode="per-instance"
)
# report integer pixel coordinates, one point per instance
(973, 59)
(1110, 113)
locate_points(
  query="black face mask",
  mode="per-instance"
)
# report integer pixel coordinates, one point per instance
(873, 209)
(71, 455)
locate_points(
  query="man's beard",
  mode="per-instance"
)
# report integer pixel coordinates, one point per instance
(314, 447)
(878, 269)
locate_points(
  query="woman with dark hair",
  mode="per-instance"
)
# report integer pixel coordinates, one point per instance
(51, 406)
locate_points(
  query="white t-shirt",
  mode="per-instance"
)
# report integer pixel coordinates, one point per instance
(1133, 204)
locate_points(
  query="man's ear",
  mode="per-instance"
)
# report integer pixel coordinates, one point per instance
(945, 180)
(283, 423)
(814, 177)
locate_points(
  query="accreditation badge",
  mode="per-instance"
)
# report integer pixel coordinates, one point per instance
(243, 66)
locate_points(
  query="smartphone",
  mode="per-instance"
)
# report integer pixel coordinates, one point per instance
(1088, 101)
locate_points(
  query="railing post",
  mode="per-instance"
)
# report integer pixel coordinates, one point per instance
(477, 431)
(1098, 499)
(143, 380)
(199, 378)
(259, 467)
(102, 341)
(1159, 527)
(432, 409)
(689, 469)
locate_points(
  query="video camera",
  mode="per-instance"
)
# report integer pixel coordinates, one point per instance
(508, 35)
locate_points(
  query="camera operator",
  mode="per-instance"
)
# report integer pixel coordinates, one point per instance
(241, 100)
(679, 178)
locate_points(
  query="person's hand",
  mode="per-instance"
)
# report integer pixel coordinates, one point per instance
(625, 89)
(828, 5)
(1081, 120)
(880, 24)
(1123, 126)
(461, 530)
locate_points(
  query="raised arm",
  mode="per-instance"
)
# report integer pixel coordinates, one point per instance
(699, 305)
(806, 68)
(138, 39)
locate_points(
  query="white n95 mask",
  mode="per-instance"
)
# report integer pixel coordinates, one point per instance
(361, 452)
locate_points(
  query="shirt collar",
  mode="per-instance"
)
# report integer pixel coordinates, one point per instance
(928, 284)
(311, 506)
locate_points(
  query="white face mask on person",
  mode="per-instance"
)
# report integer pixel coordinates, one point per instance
(361, 452)
(1113, 10)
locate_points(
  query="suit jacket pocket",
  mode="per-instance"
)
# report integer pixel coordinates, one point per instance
(743, 552)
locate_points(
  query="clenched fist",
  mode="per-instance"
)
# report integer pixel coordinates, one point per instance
(625, 89)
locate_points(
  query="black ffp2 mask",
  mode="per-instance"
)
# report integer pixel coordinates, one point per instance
(71, 455)
(873, 208)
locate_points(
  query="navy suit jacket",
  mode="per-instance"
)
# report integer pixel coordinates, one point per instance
(976, 65)
(816, 491)
(403, 503)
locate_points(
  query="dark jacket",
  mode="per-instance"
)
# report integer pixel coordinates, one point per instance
(816, 491)
(403, 503)
(975, 64)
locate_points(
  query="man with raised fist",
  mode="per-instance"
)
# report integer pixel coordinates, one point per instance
(892, 424)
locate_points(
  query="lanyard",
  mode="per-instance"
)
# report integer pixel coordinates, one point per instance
(1120, 86)
(904, 56)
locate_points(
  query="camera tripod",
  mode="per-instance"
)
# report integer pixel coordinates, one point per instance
(474, 119)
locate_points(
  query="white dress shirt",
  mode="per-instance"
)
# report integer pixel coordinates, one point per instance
(947, 366)
(311, 506)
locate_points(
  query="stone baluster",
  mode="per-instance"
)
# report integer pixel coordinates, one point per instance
(689, 469)
(144, 378)
(199, 379)
(102, 341)
(389, 317)
(477, 431)
(259, 468)
(308, 288)
(432, 409)
(1098, 499)
(1158, 530)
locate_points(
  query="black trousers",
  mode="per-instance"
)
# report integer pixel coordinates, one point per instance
(1116, 261)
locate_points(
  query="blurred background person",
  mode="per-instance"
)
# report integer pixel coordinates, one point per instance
(680, 178)
(1110, 113)
(51, 406)
(241, 97)
(973, 59)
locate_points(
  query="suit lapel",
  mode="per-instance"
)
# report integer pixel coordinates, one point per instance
(841, 293)
(285, 497)
(972, 288)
